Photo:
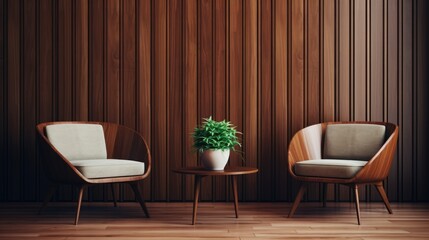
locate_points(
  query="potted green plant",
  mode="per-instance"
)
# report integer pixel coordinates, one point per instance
(214, 140)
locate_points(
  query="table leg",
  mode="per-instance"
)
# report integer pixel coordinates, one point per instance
(234, 188)
(196, 196)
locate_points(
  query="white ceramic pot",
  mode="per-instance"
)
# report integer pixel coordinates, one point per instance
(215, 159)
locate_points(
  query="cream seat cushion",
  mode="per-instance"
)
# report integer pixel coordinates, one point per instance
(106, 168)
(78, 141)
(330, 168)
(353, 141)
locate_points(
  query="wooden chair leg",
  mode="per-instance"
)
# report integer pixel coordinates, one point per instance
(112, 187)
(79, 204)
(48, 197)
(139, 198)
(297, 200)
(356, 190)
(324, 193)
(383, 195)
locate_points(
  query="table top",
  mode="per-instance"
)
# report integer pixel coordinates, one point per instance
(227, 171)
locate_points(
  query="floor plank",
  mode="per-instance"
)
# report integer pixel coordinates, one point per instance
(215, 221)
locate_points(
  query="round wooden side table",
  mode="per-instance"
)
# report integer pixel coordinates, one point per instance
(200, 172)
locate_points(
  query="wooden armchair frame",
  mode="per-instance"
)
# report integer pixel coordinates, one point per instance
(308, 144)
(121, 143)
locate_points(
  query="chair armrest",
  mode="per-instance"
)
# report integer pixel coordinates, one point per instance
(125, 143)
(306, 144)
(57, 168)
(377, 169)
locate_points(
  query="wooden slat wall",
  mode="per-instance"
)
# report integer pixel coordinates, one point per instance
(272, 67)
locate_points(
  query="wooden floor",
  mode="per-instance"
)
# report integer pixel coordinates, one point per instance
(215, 221)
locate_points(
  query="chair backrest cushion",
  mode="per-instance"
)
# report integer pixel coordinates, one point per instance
(353, 141)
(78, 141)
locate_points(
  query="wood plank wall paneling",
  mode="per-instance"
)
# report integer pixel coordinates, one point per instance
(271, 67)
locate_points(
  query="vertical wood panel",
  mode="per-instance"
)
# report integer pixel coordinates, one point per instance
(219, 81)
(205, 75)
(266, 156)
(128, 64)
(13, 101)
(46, 61)
(250, 97)
(96, 85)
(128, 87)
(28, 91)
(360, 61)
(144, 46)
(64, 84)
(190, 88)
(376, 60)
(3, 94)
(297, 66)
(313, 59)
(159, 101)
(407, 101)
(377, 65)
(344, 61)
(312, 55)
(422, 75)
(281, 96)
(329, 51)
(112, 60)
(81, 60)
(328, 60)
(296, 100)
(45, 83)
(236, 74)
(343, 68)
(65, 60)
(113, 67)
(392, 88)
(175, 100)
(96, 88)
(270, 67)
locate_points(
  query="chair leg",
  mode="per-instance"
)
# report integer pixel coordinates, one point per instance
(324, 193)
(356, 190)
(112, 187)
(79, 203)
(139, 198)
(383, 195)
(297, 200)
(48, 197)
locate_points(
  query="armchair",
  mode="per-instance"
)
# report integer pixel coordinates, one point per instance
(349, 153)
(88, 153)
